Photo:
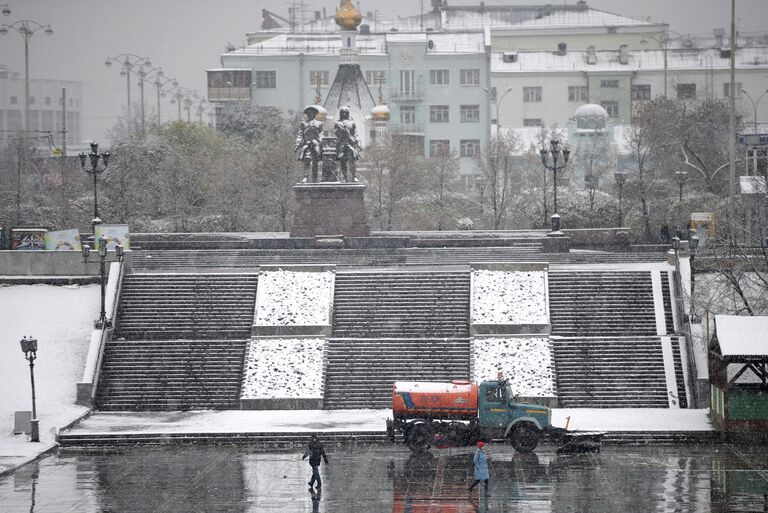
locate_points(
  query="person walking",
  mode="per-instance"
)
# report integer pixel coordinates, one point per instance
(480, 461)
(315, 451)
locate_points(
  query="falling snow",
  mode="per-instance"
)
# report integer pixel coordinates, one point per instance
(295, 298)
(505, 297)
(525, 362)
(281, 368)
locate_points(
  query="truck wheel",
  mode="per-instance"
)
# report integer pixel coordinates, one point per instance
(524, 437)
(418, 437)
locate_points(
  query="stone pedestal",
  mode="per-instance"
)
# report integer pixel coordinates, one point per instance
(331, 208)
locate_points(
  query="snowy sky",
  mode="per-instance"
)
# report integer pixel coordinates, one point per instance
(187, 36)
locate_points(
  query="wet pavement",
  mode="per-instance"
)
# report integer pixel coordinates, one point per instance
(621, 479)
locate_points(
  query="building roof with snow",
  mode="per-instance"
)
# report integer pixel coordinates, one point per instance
(741, 335)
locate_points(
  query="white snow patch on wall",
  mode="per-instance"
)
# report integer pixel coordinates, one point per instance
(294, 298)
(525, 362)
(509, 297)
(282, 368)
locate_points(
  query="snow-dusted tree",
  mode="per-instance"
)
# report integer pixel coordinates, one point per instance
(595, 158)
(252, 122)
(497, 176)
(441, 178)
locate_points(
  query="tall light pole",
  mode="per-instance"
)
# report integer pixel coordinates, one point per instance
(497, 101)
(621, 179)
(149, 75)
(25, 28)
(93, 157)
(127, 62)
(754, 105)
(682, 176)
(550, 158)
(5, 10)
(160, 83)
(182, 94)
(29, 346)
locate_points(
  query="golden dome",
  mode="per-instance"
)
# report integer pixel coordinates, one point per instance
(348, 17)
(380, 113)
(322, 114)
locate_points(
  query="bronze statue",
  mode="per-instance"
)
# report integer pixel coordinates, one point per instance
(309, 143)
(347, 146)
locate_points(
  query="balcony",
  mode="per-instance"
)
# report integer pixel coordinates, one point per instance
(407, 128)
(407, 96)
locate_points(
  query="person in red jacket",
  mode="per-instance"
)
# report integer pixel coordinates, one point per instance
(315, 451)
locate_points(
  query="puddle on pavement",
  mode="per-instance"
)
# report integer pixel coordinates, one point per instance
(390, 479)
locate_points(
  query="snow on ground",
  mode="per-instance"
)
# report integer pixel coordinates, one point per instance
(295, 298)
(61, 319)
(525, 362)
(293, 421)
(507, 297)
(278, 368)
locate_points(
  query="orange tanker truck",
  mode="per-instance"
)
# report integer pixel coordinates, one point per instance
(459, 413)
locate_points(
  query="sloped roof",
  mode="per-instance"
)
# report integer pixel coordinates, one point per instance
(742, 335)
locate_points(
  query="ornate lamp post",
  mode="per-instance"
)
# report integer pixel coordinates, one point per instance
(29, 346)
(621, 179)
(693, 243)
(94, 156)
(102, 322)
(25, 28)
(555, 159)
(682, 176)
(127, 62)
(754, 105)
(145, 74)
(160, 83)
(497, 100)
(480, 181)
(5, 10)
(181, 94)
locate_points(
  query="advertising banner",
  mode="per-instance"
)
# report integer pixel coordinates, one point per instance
(114, 234)
(28, 238)
(63, 240)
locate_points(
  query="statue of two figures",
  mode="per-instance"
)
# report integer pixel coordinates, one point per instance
(313, 149)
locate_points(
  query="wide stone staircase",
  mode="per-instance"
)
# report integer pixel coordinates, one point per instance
(391, 326)
(607, 348)
(179, 342)
(186, 306)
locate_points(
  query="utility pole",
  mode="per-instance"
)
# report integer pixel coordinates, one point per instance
(732, 128)
(63, 160)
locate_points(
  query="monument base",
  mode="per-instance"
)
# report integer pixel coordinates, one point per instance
(330, 209)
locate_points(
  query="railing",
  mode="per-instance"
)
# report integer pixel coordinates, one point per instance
(685, 327)
(413, 95)
(86, 389)
(410, 128)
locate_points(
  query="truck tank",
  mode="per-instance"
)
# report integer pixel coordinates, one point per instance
(455, 400)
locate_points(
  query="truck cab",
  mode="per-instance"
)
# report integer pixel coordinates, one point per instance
(500, 415)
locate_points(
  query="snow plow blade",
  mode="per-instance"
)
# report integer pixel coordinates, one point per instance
(577, 441)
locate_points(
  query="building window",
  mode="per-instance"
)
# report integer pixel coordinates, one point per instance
(31, 100)
(470, 113)
(469, 77)
(315, 76)
(407, 82)
(532, 122)
(439, 146)
(727, 90)
(609, 84)
(686, 91)
(375, 76)
(438, 113)
(407, 115)
(641, 92)
(71, 102)
(469, 147)
(14, 100)
(265, 79)
(47, 100)
(612, 108)
(439, 77)
(578, 93)
(531, 94)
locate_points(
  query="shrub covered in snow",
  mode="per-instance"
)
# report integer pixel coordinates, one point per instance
(525, 362)
(290, 298)
(507, 297)
(279, 368)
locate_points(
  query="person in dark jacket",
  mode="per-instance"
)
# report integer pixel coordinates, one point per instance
(315, 451)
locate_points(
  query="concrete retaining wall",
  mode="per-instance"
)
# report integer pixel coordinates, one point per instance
(53, 263)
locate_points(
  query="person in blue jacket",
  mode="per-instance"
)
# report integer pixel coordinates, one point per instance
(480, 460)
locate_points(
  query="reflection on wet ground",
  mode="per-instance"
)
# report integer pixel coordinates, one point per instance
(390, 479)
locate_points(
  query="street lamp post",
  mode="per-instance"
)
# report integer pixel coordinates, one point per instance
(29, 346)
(94, 156)
(693, 243)
(480, 181)
(682, 176)
(754, 105)
(128, 61)
(160, 83)
(621, 179)
(25, 28)
(497, 101)
(102, 322)
(555, 159)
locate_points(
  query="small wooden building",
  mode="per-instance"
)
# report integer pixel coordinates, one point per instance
(738, 373)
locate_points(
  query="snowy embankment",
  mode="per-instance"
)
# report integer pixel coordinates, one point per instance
(509, 297)
(61, 319)
(289, 367)
(279, 368)
(525, 362)
(290, 298)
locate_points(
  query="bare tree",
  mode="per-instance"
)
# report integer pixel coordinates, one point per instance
(497, 172)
